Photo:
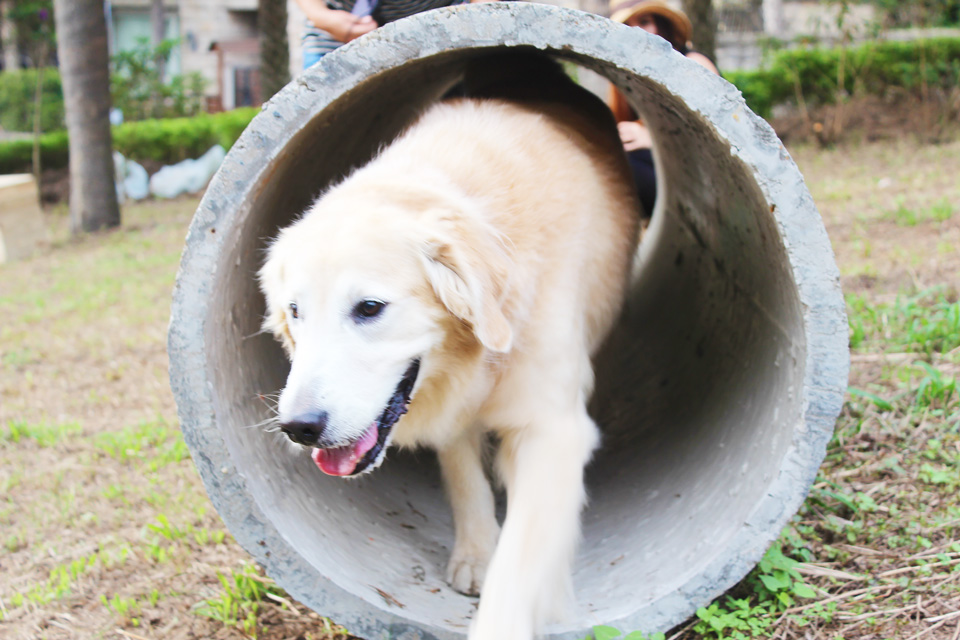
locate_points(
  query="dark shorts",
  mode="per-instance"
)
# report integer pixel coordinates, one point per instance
(645, 177)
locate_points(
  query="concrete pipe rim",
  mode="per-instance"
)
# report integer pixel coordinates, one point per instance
(571, 35)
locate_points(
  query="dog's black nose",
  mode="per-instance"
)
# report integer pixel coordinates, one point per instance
(306, 429)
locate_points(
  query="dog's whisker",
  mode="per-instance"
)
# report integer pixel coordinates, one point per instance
(270, 401)
(262, 331)
(270, 424)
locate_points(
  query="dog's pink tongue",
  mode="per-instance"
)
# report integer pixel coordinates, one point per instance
(341, 461)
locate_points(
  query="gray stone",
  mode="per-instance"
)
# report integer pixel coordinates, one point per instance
(717, 394)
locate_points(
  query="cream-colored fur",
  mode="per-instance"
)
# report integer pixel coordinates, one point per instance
(500, 237)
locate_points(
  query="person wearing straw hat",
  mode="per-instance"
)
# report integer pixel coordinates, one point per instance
(660, 19)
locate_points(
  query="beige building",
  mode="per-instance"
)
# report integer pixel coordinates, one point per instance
(218, 38)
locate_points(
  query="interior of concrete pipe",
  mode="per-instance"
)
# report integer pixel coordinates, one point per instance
(697, 394)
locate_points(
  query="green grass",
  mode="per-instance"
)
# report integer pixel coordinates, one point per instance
(156, 444)
(43, 434)
(904, 216)
(749, 611)
(163, 541)
(941, 211)
(605, 632)
(935, 390)
(125, 609)
(60, 582)
(927, 322)
(239, 604)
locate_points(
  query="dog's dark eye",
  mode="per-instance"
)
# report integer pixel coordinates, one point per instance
(293, 310)
(368, 309)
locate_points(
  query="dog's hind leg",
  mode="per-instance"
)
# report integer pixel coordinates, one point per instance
(475, 523)
(528, 582)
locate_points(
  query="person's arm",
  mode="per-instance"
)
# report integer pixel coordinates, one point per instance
(342, 25)
(634, 135)
(703, 61)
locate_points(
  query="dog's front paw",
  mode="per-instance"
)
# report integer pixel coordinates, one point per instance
(466, 571)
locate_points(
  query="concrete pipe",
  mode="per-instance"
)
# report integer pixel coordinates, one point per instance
(717, 395)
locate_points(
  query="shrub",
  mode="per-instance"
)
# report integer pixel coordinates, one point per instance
(138, 90)
(175, 139)
(166, 141)
(17, 93)
(16, 156)
(135, 88)
(873, 68)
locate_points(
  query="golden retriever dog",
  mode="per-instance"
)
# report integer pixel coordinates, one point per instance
(456, 287)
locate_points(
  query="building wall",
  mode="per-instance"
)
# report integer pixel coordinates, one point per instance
(820, 20)
(197, 23)
(205, 22)
(131, 24)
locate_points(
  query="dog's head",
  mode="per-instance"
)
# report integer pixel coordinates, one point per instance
(370, 293)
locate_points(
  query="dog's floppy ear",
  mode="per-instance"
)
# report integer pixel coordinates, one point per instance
(468, 266)
(275, 318)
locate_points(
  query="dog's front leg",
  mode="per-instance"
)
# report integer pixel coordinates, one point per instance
(474, 520)
(528, 582)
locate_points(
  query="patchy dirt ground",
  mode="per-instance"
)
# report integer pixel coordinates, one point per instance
(106, 530)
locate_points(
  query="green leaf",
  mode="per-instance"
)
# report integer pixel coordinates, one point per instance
(775, 583)
(802, 590)
(603, 632)
(881, 404)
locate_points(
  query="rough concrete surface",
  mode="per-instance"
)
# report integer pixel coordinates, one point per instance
(717, 394)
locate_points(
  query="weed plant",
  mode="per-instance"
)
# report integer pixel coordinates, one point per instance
(238, 606)
(924, 323)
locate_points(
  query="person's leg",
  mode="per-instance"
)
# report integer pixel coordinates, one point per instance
(645, 176)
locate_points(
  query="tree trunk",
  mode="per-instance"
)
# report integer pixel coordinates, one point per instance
(8, 33)
(38, 109)
(274, 49)
(157, 32)
(84, 68)
(704, 22)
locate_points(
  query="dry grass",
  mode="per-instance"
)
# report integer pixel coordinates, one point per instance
(106, 531)
(105, 528)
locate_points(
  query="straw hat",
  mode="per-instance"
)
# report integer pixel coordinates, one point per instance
(623, 10)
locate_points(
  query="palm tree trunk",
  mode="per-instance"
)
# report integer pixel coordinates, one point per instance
(704, 22)
(38, 108)
(84, 68)
(157, 33)
(274, 48)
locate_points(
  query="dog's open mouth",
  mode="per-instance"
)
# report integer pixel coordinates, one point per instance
(357, 456)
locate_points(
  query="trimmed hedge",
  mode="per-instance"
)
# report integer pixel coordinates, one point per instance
(17, 92)
(873, 68)
(175, 139)
(165, 141)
